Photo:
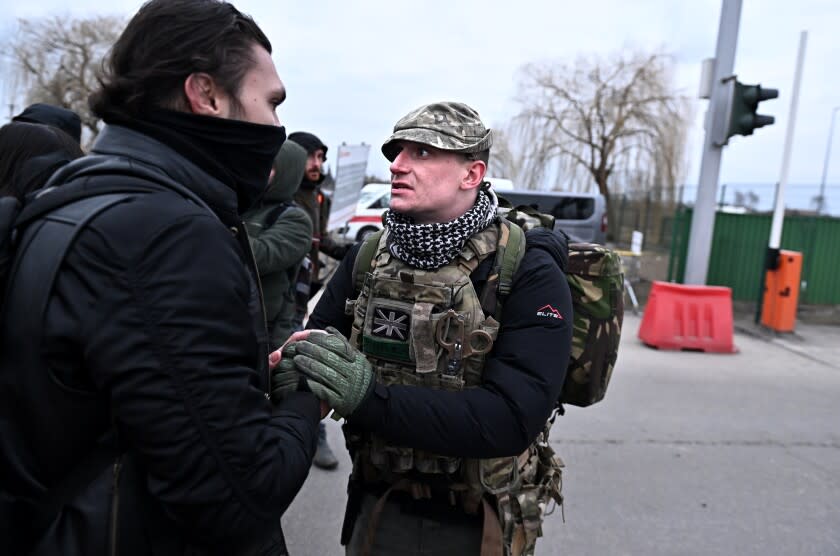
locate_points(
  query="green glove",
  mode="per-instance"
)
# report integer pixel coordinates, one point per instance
(285, 377)
(336, 372)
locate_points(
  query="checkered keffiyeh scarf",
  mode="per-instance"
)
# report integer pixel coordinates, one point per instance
(431, 246)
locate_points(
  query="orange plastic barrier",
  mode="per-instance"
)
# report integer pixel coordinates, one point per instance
(781, 292)
(688, 317)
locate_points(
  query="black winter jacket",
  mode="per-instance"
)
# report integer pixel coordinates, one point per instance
(523, 376)
(155, 325)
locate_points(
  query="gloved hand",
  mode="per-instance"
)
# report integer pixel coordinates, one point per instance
(285, 377)
(335, 371)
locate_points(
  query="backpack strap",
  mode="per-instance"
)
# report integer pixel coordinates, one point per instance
(124, 177)
(33, 277)
(509, 253)
(364, 259)
(29, 285)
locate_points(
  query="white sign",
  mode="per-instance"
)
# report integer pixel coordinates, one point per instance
(636, 242)
(351, 165)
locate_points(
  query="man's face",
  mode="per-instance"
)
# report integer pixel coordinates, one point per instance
(426, 183)
(314, 162)
(260, 93)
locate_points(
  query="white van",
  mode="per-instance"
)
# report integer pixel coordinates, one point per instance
(373, 200)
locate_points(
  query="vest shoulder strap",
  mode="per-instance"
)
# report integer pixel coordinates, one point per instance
(364, 259)
(509, 254)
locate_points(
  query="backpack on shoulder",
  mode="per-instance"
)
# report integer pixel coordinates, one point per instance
(47, 225)
(595, 280)
(596, 283)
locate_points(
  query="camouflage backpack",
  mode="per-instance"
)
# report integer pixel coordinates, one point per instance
(597, 287)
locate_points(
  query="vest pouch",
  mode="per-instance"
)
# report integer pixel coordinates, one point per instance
(394, 308)
(400, 459)
(522, 510)
(423, 349)
(390, 458)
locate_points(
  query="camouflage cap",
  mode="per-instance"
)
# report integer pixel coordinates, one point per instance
(449, 126)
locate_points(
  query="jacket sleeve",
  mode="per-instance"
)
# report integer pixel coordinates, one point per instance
(523, 377)
(284, 243)
(329, 310)
(172, 343)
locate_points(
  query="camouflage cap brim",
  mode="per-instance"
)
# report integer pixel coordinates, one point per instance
(437, 140)
(449, 126)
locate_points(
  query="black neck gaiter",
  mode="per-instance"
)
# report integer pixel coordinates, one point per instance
(237, 153)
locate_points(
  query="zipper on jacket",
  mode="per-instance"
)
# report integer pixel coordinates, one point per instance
(115, 507)
(246, 245)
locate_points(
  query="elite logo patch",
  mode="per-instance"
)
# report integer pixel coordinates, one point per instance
(550, 312)
(390, 323)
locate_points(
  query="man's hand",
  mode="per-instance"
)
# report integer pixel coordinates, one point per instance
(335, 371)
(285, 377)
(276, 356)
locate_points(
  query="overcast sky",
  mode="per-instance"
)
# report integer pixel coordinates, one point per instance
(353, 68)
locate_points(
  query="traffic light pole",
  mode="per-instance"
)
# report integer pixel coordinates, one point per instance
(703, 219)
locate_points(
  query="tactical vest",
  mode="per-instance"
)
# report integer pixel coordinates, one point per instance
(403, 319)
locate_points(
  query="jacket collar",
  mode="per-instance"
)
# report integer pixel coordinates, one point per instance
(139, 148)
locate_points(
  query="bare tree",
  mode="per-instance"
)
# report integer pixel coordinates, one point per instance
(57, 60)
(617, 124)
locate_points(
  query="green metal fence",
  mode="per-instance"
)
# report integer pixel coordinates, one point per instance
(740, 241)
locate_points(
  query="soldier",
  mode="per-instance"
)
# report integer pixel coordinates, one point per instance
(446, 390)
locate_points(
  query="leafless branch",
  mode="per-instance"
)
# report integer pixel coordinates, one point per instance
(55, 61)
(620, 120)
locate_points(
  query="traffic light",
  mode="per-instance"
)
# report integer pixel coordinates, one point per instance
(743, 104)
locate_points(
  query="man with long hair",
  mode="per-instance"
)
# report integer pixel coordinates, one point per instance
(135, 415)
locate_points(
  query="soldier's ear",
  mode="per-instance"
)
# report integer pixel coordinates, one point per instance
(475, 174)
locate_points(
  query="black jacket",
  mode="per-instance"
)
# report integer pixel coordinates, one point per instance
(155, 325)
(523, 376)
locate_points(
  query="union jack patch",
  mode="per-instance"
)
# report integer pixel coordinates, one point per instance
(391, 323)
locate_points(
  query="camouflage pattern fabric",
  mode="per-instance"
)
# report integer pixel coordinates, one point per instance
(449, 126)
(396, 317)
(597, 286)
(395, 322)
(523, 510)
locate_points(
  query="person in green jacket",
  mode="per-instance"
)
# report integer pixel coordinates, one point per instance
(281, 236)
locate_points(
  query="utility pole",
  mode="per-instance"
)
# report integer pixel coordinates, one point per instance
(821, 198)
(703, 219)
